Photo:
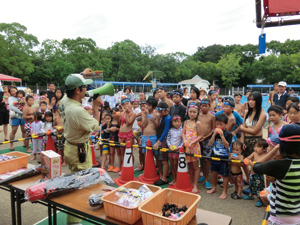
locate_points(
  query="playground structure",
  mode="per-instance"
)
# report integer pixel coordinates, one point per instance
(274, 13)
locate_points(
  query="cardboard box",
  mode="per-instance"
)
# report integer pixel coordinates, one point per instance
(51, 164)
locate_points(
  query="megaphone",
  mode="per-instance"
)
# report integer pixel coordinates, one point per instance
(107, 89)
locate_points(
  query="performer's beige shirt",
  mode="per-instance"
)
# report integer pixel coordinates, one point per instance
(78, 123)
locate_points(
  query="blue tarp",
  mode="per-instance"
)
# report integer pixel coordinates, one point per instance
(115, 83)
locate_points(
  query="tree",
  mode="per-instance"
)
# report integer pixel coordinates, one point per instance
(51, 64)
(294, 76)
(230, 69)
(79, 52)
(16, 48)
(206, 70)
(128, 62)
(212, 53)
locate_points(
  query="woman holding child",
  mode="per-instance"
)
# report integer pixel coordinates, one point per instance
(17, 118)
(252, 127)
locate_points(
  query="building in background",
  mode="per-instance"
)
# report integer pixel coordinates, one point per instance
(195, 81)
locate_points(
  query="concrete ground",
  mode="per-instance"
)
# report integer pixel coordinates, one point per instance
(242, 211)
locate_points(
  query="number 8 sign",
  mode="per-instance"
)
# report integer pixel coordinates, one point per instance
(182, 166)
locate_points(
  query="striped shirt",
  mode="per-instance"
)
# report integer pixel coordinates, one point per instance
(285, 196)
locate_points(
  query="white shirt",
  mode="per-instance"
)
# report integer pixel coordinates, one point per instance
(112, 100)
(135, 126)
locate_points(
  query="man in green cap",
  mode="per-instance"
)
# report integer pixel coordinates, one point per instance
(78, 126)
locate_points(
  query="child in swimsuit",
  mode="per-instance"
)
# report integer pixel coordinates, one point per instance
(191, 135)
(275, 114)
(114, 132)
(127, 119)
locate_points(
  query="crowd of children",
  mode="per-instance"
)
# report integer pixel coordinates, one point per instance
(205, 125)
(208, 125)
(36, 115)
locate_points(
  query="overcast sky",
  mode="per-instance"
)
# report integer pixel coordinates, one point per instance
(169, 26)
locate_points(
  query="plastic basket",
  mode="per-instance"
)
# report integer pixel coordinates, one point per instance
(122, 213)
(150, 209)
(14, 164)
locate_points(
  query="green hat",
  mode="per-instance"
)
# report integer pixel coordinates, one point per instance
(76, 80)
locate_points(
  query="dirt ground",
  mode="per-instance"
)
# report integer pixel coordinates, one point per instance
(242, 211)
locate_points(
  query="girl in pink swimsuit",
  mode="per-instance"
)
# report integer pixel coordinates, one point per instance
(191, 135)
(275, 114)
(127, 120)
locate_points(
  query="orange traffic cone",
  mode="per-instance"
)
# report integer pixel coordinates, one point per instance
(183, 181)
(149, 176)
(94, 159)
(127, 169)
(50, 143)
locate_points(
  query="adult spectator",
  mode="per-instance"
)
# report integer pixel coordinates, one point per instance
(78, 126)
(16, 116)
(51, 91)
(128, 93)
(27, 91)
(142, 96)
(4, 113)
(112, 100)
(212, 88)
(186, 93)
(155, 94)
(290, 91)
(281, 96)
(271, 94)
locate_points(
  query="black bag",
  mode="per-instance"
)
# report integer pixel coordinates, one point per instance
(81, 152)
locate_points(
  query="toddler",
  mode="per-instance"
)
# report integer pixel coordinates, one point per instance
(48, 125)
(256, 182)
(105, 136)
(174, 141)
(236, 169)
(21, 100)
(36, 129)
(43, 108)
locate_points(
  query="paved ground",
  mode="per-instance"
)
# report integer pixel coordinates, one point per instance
(242, 211)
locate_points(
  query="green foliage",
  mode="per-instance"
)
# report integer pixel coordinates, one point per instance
(230, 65)
(229, 68)
(16, 47)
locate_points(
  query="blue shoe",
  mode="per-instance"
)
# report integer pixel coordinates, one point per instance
(207, 185)
(258, 204)
(247, 197)
(201, 179)
(246, 191)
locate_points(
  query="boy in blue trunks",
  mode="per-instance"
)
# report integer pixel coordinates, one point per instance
(220, 142)
(150, 123)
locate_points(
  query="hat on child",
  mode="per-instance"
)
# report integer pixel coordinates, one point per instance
(282, 83)
(76, 80)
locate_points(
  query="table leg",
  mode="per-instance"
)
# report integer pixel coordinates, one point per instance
(19, 213)
(13, 207)
(54, 215)
(49, 214)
